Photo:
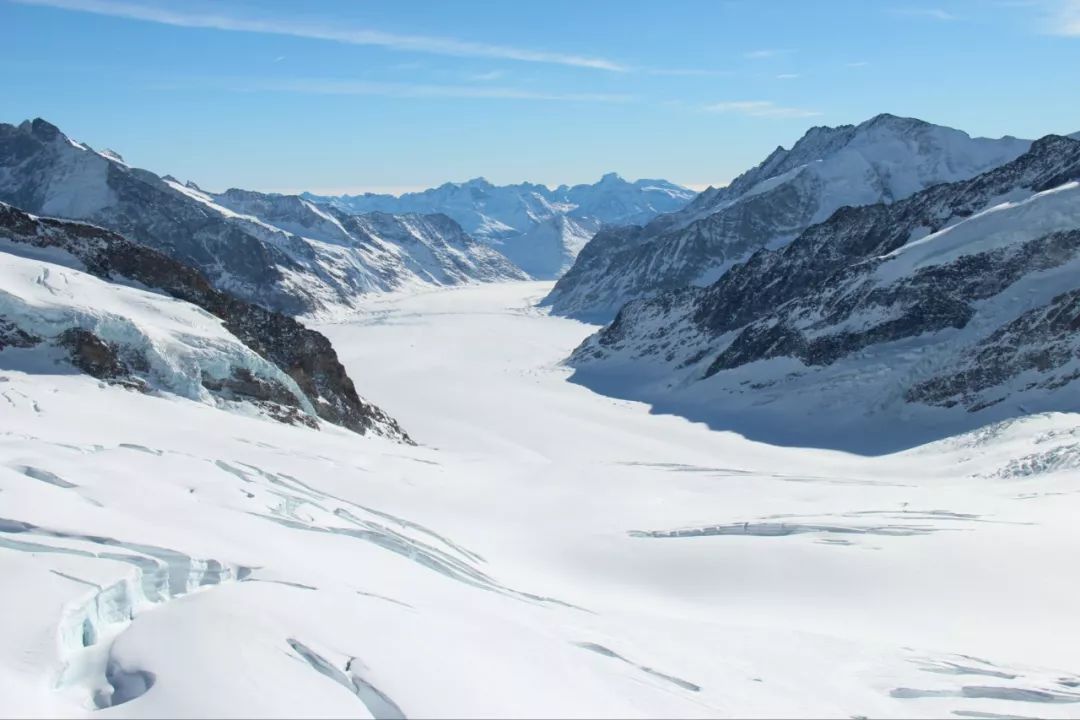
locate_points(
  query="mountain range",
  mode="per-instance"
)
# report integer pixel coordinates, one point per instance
(538, 228)
(952, 308)
(279, 251)
(884, 159)
(892, 271)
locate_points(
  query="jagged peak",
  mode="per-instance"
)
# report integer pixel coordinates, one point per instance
(41, 129)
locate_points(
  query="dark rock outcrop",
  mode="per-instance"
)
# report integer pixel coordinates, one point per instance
(92, 355)
(13, 336)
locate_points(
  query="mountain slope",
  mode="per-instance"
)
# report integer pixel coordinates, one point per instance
(540, 229)
(884, 159)
(951, 308)
(68, 294)
(307, 263)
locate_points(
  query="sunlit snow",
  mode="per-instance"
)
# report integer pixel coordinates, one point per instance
(545, 551)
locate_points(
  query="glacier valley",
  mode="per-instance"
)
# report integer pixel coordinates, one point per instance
(541, 551)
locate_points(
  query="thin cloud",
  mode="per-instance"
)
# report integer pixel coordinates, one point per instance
(764, 54)
(488, 76)
(1065, 19)
(329, 86)
(760, 109)
(929, 13)
(687, 72)
(352, 36)
(788, 76)
(859, 64)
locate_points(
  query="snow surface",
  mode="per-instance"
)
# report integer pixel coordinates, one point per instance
(170, 559)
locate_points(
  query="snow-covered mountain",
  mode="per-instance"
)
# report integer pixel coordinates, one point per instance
(540, 229)
(953, 308)
(75, 295)
(882, 160)
(280, 251)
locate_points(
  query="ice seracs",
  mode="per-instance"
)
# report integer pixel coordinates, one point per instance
(80, 296)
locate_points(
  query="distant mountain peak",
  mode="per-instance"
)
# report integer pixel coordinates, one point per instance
(43, 130)
(890, 119)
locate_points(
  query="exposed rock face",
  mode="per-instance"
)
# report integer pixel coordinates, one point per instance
(1043, 342)
(12, 335)
(882, 160)
(92, 355)
(851, 235)
(961, 296)
(278, 251)
(303, 354)
(931, 299)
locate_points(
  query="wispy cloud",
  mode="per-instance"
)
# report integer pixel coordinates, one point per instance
(761, 109)
(1065, 18)
(355, 36)
(688, 72)
(788, 76)
(332, 86)
(765, 54)
(858, 64)
(928, 13)
(488, 76)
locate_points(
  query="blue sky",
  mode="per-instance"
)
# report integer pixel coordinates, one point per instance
(354, 95)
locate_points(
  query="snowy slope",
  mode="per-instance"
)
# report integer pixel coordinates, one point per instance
(279, 251)
(548, 249)
(182, 349)
(931, 315)
(884, 159)
(540, 229)
(77, 294)
(559, 554)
